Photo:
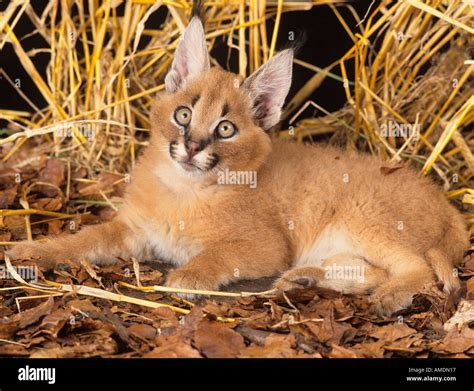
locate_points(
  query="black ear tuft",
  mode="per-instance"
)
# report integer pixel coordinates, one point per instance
(198, 10)
(297, 43)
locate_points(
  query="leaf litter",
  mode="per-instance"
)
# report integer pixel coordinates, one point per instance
(81, 310)
(101, 314)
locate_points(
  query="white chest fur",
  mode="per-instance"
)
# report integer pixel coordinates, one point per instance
(170, 246)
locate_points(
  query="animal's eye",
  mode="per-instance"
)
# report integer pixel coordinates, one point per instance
(182, 116)
(225, 129)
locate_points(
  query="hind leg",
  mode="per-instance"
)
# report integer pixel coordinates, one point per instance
(408, 274)
(393, 277)
(344, 272)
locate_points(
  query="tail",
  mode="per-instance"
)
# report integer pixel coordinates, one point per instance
(456, 241)
(449, 252)
(444, 269)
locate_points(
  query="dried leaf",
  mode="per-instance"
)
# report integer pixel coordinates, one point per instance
(392, 332)
(341, 352)
(7, 197)
(143, 331)
(100, 348)
(8, 327)
(456, 341)
(53, 173)
(49, 204)
(103, 183)
(217, 340)
(173, 347)
(463, 316)
(33, 315)
(275, 346)
(387, 170)
(54, 322)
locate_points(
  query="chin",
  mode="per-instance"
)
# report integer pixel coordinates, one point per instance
(190, 170)
(189, 167)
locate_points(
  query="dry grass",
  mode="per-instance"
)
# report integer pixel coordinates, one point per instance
(412, 67)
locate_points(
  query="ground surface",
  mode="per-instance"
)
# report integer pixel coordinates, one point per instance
(310, 323)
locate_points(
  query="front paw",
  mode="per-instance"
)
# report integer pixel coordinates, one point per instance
(294, 279)
(37, 251)
(26, 250)
(191, 279)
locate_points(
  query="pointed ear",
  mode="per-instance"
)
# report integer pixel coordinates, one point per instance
(268, 87)
(191, 56)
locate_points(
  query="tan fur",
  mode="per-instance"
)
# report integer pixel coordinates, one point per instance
(313, 206)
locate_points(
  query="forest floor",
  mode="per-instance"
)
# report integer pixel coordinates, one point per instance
(304, 323)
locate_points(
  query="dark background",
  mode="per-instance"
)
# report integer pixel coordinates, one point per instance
(326, 41)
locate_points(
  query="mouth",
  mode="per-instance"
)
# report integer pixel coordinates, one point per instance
(189, 165)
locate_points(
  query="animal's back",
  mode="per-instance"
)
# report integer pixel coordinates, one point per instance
(324, 185)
